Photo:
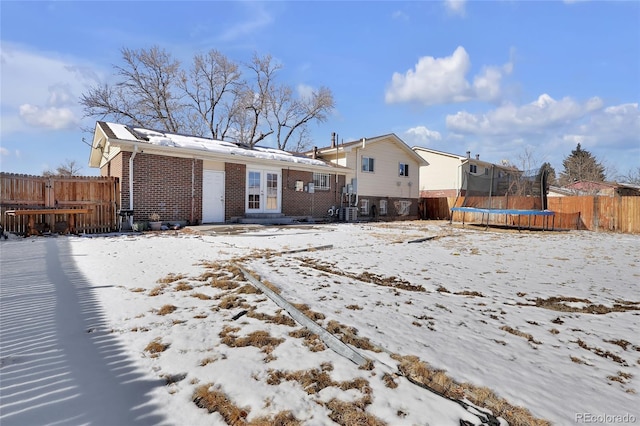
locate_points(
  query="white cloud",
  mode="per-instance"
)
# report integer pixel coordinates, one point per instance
(422, 134)
(53, 118)
(456, 7)
(543, 113)
(39, 88)
(258, 18)
(443, 80)
(4, 151)
(305, 91)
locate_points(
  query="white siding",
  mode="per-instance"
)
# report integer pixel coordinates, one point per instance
(385, 180)
(442, 173)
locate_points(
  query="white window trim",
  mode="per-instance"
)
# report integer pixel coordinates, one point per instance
(319, 178)
(401, 170)
(370, 161)
(364, 206)
(383, 207)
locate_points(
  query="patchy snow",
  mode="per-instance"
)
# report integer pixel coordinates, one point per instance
(548, 321)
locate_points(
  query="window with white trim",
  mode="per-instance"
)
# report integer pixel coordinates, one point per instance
(404, 170)
(383, 207)
(473, 168)
(367, 164)
(322, 181)
(364, 206)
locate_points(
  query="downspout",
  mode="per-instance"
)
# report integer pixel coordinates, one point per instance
(193, 189)
(135, 151)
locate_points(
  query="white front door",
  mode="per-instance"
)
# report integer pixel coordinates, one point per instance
(212, 196)
(264, 189)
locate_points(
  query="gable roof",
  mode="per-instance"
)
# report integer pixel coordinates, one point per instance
(172, 144)
(345, 147)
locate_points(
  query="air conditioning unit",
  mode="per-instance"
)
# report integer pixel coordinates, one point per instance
(349, 214)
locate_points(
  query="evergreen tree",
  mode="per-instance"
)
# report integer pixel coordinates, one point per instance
(581, 165)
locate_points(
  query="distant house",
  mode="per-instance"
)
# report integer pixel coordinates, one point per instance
(197, 180)
(607, 189)
(386, 176)
(443, 173)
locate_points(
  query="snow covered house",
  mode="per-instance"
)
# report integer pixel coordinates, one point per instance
(385, 181)
(196, 180)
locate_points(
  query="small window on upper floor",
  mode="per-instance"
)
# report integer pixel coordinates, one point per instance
(367, 164)
(473, 168)
(404, 170)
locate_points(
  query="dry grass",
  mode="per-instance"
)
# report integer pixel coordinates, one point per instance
(352, 413)
(201, 296)
(183, 286)
(420, 372)
(389, 380)
(558, 303)
(311, 340)
(349, 336)
(354, 307)
(258, 339)
(278, 318)
(137, 290)
(171, 278)
(224, 284)
(519, 333)
(232, 301)
(602, 353)
(157, 290)
(304, 308)
(248, 289)
(283, 418)
(367, 277)
(166, 309)
(156, 346)
(208, 360)
(215, 401)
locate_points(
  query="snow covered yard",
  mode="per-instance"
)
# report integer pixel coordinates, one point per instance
(543, 321)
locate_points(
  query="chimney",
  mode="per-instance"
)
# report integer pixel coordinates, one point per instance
(477, 156)
(315, 152)
(333, 139)
(468, 154)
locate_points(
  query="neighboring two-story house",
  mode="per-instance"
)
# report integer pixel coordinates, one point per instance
(443, 175)
(386, 177)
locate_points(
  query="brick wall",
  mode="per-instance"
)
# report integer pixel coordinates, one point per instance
(235, 182)
(301, 203)
(169, 186)
(393, 205)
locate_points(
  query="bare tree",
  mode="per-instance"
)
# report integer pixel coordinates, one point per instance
(292, 115)
(632, 176)
(213, 85)
(68, 168)
(146, 94)
(212, 99)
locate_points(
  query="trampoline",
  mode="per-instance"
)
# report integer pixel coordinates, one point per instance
(506, 191)
(509, 212)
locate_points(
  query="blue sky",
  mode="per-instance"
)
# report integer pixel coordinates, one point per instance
(497, 78)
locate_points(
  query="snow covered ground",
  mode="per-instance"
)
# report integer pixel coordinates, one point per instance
(547, 321)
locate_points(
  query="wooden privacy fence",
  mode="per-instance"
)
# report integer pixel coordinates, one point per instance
(593, 213)
(93, 197)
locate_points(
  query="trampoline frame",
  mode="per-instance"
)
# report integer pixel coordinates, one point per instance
(507, 212)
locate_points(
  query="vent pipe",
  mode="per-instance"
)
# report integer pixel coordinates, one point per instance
(477, 156)
(315, 152)
(333, 139)
(468, 154)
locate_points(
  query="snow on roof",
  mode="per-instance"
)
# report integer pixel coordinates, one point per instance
(210, 145)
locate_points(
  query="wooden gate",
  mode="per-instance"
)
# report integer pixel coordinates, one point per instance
(98, 195)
